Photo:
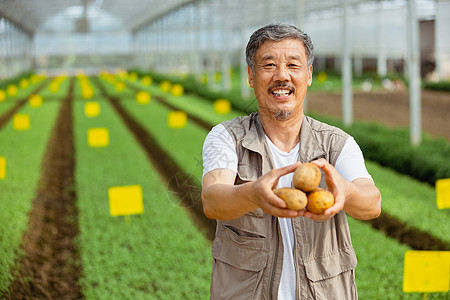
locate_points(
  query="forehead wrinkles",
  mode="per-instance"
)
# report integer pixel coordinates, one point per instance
(286, 49)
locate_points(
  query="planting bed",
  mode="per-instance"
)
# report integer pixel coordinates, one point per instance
(164, 253)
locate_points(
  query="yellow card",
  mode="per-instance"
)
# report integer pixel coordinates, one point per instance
(23, 83)
(443, 193)
(177, 119)
(222, 106)
(34, 78)
(21, 122)
(147, 80)
(92, 109)
(87, 92)
(133, 77)
(426, 271)
(165, 86)
(12, 90)
(125, 200)
(177, 90)
(54, 86)
(2, 95)
(98, 137)
(143, 97)
(119, 86)
(2, 167)
(35, 100)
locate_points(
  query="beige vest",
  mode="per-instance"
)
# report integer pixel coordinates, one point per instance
(248, 251)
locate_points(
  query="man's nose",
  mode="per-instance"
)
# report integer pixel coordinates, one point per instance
(281, 73)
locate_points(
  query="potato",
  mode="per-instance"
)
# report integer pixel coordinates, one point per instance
(306, 177)
(319, 200)
(295, 199)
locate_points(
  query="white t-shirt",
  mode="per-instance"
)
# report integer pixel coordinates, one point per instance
(219, 152)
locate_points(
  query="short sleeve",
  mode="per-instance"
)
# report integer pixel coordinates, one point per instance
(219, 150)
(350, 163)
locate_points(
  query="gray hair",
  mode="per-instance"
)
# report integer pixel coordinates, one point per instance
(277, 32)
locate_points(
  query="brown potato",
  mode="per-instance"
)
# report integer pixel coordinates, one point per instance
(295, 199)
(306, 177)
(319, 200)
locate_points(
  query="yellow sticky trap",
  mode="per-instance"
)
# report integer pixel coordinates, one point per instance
(177, 119)
(147, 80)
(426, 271)
(23, 83)
(125, 200)
(34, 78)
(322, 77)
(21, 122)
(12, 90)
(2, 167)
(119, 86)
(177, 90)
(54, 86)
(2, 95)
(443, 193)
(143, 97)
(92, 109)
(98, 137)
(87, 92)
(222, 106)
(133, 77)
(35, 100)
(165, 86)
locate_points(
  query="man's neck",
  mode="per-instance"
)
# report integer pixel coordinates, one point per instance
(285, 135)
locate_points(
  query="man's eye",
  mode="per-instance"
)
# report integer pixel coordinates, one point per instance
(269, 66)
(295, 66)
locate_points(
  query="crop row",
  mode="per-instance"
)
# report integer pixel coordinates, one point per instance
(386, 271)
(161, 254)
(405, 198)
(23, 151)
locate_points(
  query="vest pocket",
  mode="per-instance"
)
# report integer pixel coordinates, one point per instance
(332, 277)
(238, 263)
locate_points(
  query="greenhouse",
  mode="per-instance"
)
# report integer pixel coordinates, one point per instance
(105, 108)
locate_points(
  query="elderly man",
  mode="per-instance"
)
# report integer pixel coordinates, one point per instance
(262, 249)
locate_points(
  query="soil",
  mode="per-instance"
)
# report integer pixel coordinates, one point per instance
(49, 268)
(389, 108)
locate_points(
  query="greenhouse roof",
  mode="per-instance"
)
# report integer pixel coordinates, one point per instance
(112, 15)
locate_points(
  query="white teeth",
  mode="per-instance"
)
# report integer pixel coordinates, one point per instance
(281, 93)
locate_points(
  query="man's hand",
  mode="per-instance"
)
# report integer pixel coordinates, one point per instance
(360, 198)
(224, 201)
(336, 185)
(265, 198)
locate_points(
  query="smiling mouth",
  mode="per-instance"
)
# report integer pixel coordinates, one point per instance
(281, 93)
(281, 90)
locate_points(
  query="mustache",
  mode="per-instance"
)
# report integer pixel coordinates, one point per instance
(282, 85)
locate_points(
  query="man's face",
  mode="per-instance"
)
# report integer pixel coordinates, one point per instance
(281, 78)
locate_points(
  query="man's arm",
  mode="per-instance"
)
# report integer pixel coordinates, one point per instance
(225, 201)
(359, 198)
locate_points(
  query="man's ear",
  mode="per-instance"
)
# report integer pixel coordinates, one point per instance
(310, 72)
(250, 76)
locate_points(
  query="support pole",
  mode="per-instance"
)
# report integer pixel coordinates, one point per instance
(413, 51)
(347, 96)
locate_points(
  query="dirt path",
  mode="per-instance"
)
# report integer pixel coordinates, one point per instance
(389, 108)
(49, 268)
